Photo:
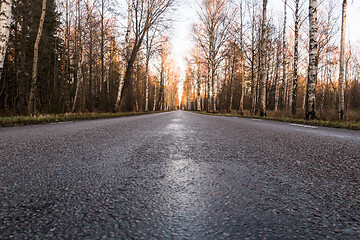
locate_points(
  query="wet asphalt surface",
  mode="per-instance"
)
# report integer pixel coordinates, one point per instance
(179, 175)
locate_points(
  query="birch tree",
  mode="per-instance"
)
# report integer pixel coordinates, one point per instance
(146, 15)
(149, 41)
(215, 19)
(80, 58)
(262, 96)
(90, 6)
(5, 21)
(32, 98)
(284, 79)
(198, 62)
(313, 61)
(341, 103)
(242, 62)
(277, 78)
(152, 45)
(163, 70)
(231, 61)
(126, 51)
(252, 60)
(296, 58)
(102, 42)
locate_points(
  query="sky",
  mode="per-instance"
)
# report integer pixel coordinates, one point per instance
(186, 15)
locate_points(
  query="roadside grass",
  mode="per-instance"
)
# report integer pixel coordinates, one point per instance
(346, 124)
(53, 118)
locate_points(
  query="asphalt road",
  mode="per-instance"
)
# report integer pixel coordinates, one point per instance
(179, 175)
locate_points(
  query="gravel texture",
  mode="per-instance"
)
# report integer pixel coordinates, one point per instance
(179, 175)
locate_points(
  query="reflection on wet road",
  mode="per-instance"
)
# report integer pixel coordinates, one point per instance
(181, 188)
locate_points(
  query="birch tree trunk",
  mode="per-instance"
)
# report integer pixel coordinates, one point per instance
(80, 59)
(290, 93)
(198, 90)
(66, 97)
(208, 89)
(231, 91)
(305, 91)
(277, 78)
(203, 98)
(296, 60)
(147, 73)
(284, 80)
(154, 105)
(341, 106)
(161, 100)
(313, 61)
(5, 21)
(147, 87)
(213, 97)
(126, 53)
(232, 77)
(80, 77)
(102, 43)
(263, 64)
(32, 98)
(241, 110)
(149, 52)
(253, 81)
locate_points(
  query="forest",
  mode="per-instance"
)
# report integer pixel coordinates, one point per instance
(84, 63)
(248, 63)
(62, 56)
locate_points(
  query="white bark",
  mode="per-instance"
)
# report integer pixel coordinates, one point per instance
(147, 89)
(296, 59)
(154, 105)
(5, 21)
(127, 52)
(149, 44)
(79, 80)
(198, 102)
(198, 81)
(31, 103)
(253, 78)
(208, 89)
(241, 110)
(313, 61)
(231, 76)
(213, 96)
(341, 106)
(147, 73)
(263, 71)
(277, 80)
(80, 59)
(284, 79)
(102, 56)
